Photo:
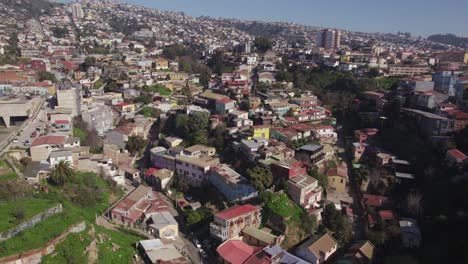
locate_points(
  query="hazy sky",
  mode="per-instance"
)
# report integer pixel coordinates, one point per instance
(420, 17)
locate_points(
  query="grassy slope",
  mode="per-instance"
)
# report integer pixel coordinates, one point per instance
(78, 132)
(72, 249)
(30, 207)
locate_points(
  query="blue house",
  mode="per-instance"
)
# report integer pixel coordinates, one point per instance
(231, 184)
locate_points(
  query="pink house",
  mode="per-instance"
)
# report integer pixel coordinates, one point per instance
(137, 205)
(229, 223)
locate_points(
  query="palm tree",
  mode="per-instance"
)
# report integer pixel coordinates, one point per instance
(62, 173)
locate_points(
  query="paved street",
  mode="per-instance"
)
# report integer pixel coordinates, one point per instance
(23, 130)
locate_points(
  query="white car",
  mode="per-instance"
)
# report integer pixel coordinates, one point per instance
(15, 140)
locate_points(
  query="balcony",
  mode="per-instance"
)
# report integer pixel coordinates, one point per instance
(219, 232)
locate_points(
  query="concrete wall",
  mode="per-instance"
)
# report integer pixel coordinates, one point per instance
(30, 223)
(40, 153)
(17, 108)
(35, 255)
(70, 98)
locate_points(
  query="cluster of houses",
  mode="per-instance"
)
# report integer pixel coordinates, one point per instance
(287, 132)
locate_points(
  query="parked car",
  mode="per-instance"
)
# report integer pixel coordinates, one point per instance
(34, 134)
(197, 243)
(15, 140)
(203, 254)
(27, 143)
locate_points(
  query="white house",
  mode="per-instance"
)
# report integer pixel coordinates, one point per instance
(59, 155)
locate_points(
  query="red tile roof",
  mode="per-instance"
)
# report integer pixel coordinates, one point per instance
(302, 127)
(386, 215)
(457, 154)
(236, 251)
(150, 171)
(457, 114)
(336, 172)
(375, 200)
(224, 100)
(48, 140)
(261, 126)
(448, 104)
(62, 122)
(322, 127)
(125, 129)
(237, 211)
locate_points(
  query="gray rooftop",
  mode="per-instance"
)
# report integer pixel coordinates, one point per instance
(311, 147)
(162, 219)
(61, 153)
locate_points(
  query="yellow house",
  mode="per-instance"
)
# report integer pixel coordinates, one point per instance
(338, 178)
(260, 131)
(178, 76)
(162, 64)
(344, 58)
(163, 225)
(127, 108)
(79, 75)
(295, 109)
(51, 89)
(170, 86)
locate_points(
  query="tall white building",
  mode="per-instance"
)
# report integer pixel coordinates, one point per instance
(70, 98)
(329, 39)
(77, 11)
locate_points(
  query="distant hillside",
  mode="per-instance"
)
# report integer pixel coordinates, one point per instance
(29, 8)
(450, 39)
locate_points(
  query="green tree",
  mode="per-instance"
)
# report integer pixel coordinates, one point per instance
(59, 32)
(262, 44)
(181, 125)
(217, 137)
(111, 86)
(198, 125)
(373, 72)
(283, 76)
(461, 139)
(377, 235)
(260, 178)
(205, 79)
(336, 222)
(360, 175)
(216, 63)
(45, 75)
(62, 173)
(150, 112)
(244, 105)
(321, 178)
(309, 223)
(89, 62)
(135, 144)
(144, 99)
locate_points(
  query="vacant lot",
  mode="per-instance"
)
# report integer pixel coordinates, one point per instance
(6, 173)
(15, 212)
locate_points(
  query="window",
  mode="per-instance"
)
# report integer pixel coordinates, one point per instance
(341, 180)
